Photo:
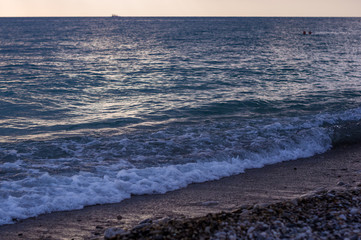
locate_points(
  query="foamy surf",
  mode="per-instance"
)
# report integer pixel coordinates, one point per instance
(46, 193)
(48, 187)
(70, 180)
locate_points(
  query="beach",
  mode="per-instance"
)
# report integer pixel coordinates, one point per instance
(149, 118)
(335, 169)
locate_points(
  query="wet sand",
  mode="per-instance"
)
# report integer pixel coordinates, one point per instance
(272, 183)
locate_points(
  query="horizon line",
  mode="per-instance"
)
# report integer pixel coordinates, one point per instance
(151, 16)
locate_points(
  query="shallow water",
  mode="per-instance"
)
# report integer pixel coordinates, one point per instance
(107, 107)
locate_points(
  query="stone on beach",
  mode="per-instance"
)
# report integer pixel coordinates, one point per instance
(112, 233)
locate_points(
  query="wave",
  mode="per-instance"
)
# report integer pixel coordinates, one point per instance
(47, 193)
(58, 175)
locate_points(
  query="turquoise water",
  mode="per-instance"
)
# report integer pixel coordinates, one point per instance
(113, 107)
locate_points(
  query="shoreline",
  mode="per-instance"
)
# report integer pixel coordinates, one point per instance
(270, 184)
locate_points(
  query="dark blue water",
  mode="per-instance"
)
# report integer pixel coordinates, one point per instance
(109, 107)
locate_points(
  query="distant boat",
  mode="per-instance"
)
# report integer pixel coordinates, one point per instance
(115, 16)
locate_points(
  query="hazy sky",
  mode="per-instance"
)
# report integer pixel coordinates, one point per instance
(180, 7)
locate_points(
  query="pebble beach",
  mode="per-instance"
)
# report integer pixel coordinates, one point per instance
(324, 214)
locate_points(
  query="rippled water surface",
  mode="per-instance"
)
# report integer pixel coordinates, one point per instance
(110, 107)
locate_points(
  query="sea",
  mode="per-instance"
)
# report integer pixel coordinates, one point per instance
(96, 110)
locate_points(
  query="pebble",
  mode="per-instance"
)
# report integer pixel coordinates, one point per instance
(114, 233)
(146, 221)
(340, 183)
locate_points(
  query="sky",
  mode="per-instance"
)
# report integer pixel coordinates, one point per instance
(43, 8)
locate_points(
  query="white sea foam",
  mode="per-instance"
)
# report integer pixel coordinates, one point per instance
(46, 193)
(96, 172)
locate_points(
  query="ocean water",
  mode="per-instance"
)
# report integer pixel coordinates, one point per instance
(94, 110)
